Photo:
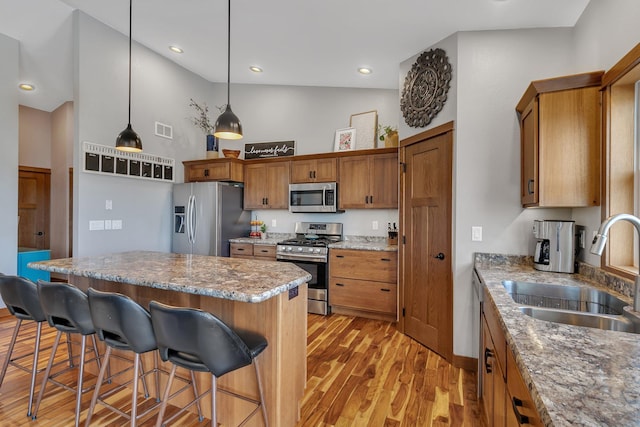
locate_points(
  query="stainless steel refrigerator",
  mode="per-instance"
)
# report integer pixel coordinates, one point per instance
(206, 215)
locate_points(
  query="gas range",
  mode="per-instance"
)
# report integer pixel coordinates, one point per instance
(309, 251)
(311, 242)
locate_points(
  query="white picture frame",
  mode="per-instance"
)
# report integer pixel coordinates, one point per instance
(345, 139)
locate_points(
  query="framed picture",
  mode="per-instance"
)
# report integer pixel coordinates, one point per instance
(345, 139)
(366, 125)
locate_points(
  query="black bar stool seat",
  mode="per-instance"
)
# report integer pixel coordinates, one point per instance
(20, 295)
(197, 340)
(67, 309)
(122, 324)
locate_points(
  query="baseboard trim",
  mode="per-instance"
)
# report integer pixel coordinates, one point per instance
(466, 363)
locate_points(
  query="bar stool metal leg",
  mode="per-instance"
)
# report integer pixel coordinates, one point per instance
(47, 372)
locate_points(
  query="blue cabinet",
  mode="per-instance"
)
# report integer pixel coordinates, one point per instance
(27, 255)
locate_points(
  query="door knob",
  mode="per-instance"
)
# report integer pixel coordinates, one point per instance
(440, 256)
(40, 233)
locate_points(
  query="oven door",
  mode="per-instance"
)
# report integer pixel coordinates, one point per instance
(318, 285)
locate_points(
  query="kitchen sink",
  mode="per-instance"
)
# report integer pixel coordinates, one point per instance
(622, 323)
(573, 305)
(574, 298)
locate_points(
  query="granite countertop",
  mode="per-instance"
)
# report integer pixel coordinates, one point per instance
(577, 376)
(365, 243)
(270, 241)
(219, 277)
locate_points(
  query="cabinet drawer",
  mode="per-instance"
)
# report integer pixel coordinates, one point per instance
(241, 249)
(497, 334)
(518, 398)
(264, 251)
(363, 295)
(378, 266)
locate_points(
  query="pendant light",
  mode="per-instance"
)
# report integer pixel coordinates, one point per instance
(228, 124)
(129, 140)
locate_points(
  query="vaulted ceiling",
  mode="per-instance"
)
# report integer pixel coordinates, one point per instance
(295, 42)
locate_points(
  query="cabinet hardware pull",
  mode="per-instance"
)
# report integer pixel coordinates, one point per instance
(487, 354)
(370, 199)
(263, 250)
(206, 172)
(239, 249)
(366, 199)
(385, 290)
(440, 256)
(310, 174)
(339, 284)
(339, 256)
(266, 201)
(314, 174)
(530, 186)
(522, 419)
(385, 259)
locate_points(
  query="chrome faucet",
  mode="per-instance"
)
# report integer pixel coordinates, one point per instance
(597, 247)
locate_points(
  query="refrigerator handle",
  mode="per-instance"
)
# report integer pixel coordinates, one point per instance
(192, 220)
(188, 219)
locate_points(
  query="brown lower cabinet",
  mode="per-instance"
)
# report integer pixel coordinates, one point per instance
(363, 283)
(506, 401)
(253, 251)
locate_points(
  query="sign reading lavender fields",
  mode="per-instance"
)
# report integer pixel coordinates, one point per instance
(261, 150)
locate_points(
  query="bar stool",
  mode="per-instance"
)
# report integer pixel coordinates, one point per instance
(122, 324)
(67, 309)
(199, 341)
(21, 298)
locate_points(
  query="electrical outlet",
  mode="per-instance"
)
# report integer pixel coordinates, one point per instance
(107, 224)
(374, 225)
(476, 233)
(116, 224)
(273, 223)
(96, 225)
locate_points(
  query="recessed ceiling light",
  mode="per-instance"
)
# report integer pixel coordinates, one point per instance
(26, 86)
(175, 49)
(255, 69)
(365, 70)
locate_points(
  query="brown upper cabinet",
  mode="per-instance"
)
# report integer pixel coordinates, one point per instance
(314, 170)
(560, 141)
(223, 169)
(266, 184)
(368, 181)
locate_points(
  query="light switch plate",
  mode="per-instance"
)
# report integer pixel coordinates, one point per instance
(116, 224)
(476, 233)
(96, 225)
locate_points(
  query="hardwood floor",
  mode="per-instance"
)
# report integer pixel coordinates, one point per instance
(360, 373)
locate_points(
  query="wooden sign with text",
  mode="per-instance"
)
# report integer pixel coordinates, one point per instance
(263, 150)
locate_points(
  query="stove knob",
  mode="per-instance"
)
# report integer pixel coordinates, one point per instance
(318, 250)
(289, 248)
(299, 249)
(311, 250)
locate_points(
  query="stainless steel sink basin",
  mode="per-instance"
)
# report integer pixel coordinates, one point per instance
(622, 323)
(573, 305)
(574, 298)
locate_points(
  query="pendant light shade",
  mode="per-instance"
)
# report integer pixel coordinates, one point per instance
(228, 124)
(129, 140)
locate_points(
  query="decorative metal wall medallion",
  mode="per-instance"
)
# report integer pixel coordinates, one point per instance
(425, 88)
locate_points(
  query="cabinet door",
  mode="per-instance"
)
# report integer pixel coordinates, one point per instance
(354, 182)
(254, 186)
(384, 181)
(488, 374)
(529, 157)
(325, 170)
(302, 171)
(277, 185)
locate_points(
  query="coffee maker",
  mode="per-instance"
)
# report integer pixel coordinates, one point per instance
(556, 246)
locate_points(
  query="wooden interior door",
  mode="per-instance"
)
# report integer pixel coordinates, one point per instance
(425, 275)
(34, 189)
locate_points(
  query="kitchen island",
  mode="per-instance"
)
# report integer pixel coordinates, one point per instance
(265, 297)
(577, 376)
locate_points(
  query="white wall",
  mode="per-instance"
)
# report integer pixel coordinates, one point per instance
(606, 31)
(9, 50)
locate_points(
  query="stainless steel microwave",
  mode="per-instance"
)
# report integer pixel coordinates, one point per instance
(313, 197)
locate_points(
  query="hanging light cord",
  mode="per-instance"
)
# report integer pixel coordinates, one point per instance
(229, 54)
(130, 20)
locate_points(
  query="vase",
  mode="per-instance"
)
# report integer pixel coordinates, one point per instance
(212, 147)
(391, 140)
